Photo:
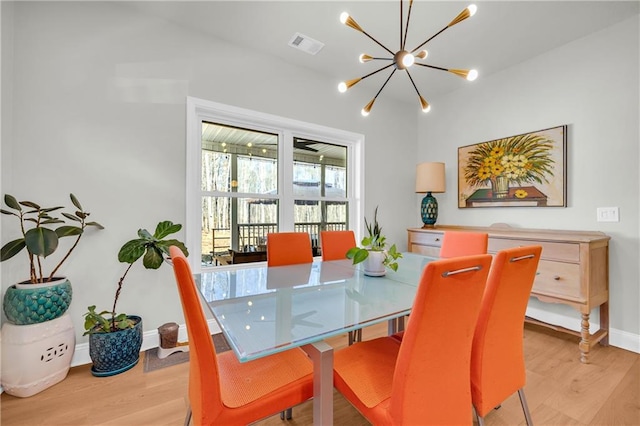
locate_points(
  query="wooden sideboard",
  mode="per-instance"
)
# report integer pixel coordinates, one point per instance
(573, 269)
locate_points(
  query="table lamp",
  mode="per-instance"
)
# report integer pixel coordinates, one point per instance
(430, 178)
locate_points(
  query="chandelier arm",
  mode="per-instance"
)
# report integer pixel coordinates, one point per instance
(401, 15)
(430, 38)
(379, 44)
(412, 82)
(406, 31)
(431, 66)
(385, 83)
(376, 71)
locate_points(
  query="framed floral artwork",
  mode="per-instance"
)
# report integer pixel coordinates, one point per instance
(527, 170)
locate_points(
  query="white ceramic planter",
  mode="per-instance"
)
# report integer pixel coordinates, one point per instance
(36, 356)
(373, 265)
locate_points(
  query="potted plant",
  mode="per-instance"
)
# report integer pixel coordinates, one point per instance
(22, 302)
(373, 250)
(115, 338)
(38, 338)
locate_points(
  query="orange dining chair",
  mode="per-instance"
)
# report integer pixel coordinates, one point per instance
(497, 358)
(462, 243)
(459, 243)
(424, 379)
(288, 248)
(335, 245)
(221, 389)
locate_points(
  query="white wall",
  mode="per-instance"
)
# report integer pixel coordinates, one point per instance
(592, 86)
(98, 109)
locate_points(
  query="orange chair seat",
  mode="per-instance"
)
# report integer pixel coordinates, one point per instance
(264, 376)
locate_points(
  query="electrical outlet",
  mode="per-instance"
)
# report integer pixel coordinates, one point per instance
(608, 214)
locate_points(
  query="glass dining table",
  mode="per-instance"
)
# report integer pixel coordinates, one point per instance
(263, 310)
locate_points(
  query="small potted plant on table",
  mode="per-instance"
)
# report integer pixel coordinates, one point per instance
(374, 251)
(115, 338)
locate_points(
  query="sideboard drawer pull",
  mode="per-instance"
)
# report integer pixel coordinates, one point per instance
(556, 277)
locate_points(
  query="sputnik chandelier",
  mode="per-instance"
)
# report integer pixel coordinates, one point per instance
(403, 59)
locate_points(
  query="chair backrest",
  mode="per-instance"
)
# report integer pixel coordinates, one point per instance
(204, 378)
(431, 379)
(288, 248)
(335, 244)
(497, 358)
(463, 243)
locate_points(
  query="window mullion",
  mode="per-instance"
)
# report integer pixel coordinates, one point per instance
(285, 186)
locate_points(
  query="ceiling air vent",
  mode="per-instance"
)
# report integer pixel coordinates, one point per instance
(305, 43)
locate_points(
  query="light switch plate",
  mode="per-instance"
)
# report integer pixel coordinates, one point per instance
(608, 214)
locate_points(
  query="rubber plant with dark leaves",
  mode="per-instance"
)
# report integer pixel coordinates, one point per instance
(39, 237)
(152, 249)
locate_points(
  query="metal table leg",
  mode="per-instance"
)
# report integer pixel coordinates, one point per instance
(321, 353)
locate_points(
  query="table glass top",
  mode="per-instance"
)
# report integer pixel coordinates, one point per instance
(264, 310)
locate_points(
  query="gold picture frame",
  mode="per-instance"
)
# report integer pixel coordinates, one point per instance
(526, 170)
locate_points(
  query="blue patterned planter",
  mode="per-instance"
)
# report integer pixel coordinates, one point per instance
(36, 303)
(114, 353)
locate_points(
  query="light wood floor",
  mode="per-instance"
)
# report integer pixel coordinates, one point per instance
(560, 391)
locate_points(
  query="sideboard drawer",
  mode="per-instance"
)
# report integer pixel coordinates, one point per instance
(565, 252)
(559, 279)
(425, 250)
(431, 239)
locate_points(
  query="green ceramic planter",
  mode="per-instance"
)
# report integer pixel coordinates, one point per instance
(117, 352)
(36, 303)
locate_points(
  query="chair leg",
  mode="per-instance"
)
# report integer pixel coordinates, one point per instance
(286, 414)
(187, 419)
(355, 336)
(478, 418)
(525, 407)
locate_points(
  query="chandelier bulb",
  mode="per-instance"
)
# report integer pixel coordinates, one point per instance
(472, 9)
(367, 109)
(342, 87)
(350, 22)
(424, 104)
(473, 74)
(422, 54)
(365, 58)
(408, 60)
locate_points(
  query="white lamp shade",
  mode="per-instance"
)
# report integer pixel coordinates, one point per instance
(430, 177)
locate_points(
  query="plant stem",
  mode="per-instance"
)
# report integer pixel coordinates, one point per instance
(68, 253)
(115, 300)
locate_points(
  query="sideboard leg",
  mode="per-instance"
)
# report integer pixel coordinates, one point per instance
(585, 343)
(604, 323)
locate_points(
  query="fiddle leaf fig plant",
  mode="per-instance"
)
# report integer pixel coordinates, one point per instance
(375, 241)
(40, 236)
(153, 249)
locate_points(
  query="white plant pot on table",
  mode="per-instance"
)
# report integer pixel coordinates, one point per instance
(373, 265)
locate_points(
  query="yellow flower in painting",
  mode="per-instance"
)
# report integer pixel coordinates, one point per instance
(507, 160)
(497, 169)
(484, 173)
(497, 151)
(521, 193)
(489, 161)
(520, 160)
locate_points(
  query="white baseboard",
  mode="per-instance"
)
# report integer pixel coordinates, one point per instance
(150, 339)
(617, 338)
